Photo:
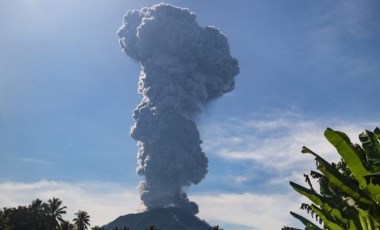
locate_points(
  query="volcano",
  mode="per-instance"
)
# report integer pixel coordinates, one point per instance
(183, 66)
(170, 218)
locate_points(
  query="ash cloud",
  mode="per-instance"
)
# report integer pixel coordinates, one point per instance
(182, 65)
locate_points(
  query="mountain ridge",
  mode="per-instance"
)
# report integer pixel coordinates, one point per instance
(169, 218)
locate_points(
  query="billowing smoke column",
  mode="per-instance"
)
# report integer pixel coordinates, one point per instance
(182, 66)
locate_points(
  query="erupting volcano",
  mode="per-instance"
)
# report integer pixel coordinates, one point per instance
(183, 65)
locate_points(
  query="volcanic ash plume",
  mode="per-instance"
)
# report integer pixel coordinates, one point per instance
(182, 65)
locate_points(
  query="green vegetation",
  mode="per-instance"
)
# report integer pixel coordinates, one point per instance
(349, 191)
(81, 220)
(40, 216)
(54, 212)
(48, 216)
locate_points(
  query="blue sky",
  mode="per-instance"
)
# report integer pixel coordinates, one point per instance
(67, 93)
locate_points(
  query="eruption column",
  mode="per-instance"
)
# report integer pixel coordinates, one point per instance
(182, 65)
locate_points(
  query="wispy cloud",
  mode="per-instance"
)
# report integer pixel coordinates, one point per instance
(237, 180)
(354, 14)
(35, 161)
(103, 201)
(270, 144)
(338, 38)
(248, 209)
(274, 145)
(107, 201)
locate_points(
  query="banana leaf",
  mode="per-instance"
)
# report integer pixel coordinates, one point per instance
(373, 178)
(339, 180)
(377, 132)
(367, 221)
(308, 224)
(307, 150)
(374, 191)
(371, 148)
(327, 221)
(327, 204)
(311, 194)
(345, 185)
(348, 152)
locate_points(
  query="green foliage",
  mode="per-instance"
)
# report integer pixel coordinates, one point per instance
(100, 228)
(37, 216)
(349, 193)
(45, 216)
(66, 225)
(55, 212)
(81, 220)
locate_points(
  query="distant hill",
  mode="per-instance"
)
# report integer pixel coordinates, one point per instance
(170, 218)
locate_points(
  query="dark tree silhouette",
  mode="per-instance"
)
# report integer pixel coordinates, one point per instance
(55, 212)
(66, 225)
(82, 220)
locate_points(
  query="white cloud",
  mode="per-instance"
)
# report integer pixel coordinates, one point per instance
(275, 144)
(248, 209)
(107, 201)
(103, 201)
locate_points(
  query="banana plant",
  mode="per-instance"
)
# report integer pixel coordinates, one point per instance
(349, 191)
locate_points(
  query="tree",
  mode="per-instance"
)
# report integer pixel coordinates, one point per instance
(36, 216)
(37, 205)
(97, 228)
(82, 220)
(18, 218)
(55, 212)
(66, 225)
(2, 220)
(349, 195)
(38, 210)
(32, 217)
